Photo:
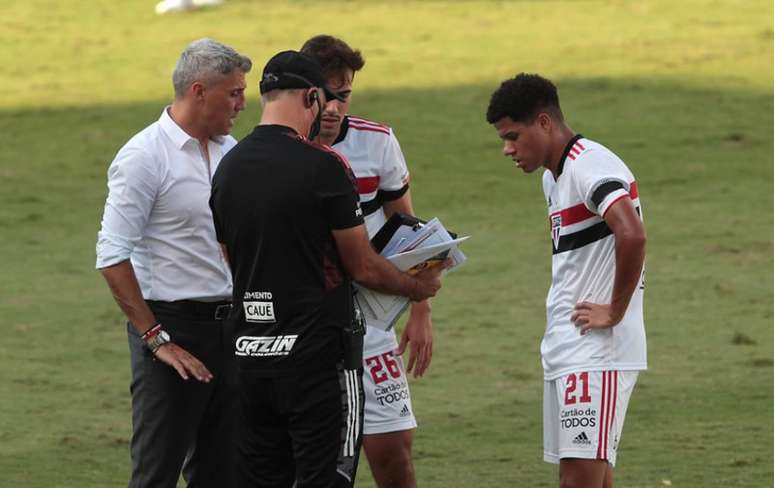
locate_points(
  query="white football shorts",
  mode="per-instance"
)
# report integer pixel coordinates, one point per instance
(583, 414)
(387, 397)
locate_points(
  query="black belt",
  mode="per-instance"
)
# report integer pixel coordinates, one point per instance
(205, 310)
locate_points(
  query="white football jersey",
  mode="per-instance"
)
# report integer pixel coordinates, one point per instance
(376, 159)
(590, 179)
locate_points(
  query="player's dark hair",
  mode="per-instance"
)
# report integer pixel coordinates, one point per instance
(333, 54)
(522, 98)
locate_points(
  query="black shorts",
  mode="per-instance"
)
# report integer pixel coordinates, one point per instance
(305, 427)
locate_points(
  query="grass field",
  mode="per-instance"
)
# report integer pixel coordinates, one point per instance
(683, 91)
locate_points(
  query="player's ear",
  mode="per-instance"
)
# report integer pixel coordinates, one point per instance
(311, 97)
(544, 120)
(197, 90)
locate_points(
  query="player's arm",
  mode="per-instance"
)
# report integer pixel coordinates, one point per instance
(133, 183)
(629, 232)
(126, 292)
(373, 271)
(132, 186)
(338, 196)
(401, 204)
(419, 327)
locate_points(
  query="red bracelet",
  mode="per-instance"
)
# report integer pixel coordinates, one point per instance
(152, 332)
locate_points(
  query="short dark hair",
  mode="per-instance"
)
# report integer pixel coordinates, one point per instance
(522, 98)
(333, 54)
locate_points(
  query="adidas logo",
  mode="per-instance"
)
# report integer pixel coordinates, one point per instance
(405, 412)
(582, 438)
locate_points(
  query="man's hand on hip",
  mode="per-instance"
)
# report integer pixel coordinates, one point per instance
(589, 316)
(184, 362)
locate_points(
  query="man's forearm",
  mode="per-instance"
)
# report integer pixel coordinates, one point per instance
(629, 260)
(373, 271)
(404, 205)
(422, 307)
(381, 275)
(126, 291)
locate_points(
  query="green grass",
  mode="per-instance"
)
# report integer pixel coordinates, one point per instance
(682, 91)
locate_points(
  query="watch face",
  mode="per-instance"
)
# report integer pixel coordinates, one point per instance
(159, 340)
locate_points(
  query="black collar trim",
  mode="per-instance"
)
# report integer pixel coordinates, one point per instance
(567, 148)
(342, 130)
(275, 127)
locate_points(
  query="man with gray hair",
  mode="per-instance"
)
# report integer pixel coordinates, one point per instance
(158, 253)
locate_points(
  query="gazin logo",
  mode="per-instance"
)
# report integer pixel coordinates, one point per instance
(265, 346)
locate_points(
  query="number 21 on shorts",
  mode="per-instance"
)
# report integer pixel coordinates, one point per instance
(571, 395)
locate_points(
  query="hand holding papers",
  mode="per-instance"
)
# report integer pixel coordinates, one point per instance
(411, 246)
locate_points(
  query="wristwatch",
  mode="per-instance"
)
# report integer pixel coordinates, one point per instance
(155, 337)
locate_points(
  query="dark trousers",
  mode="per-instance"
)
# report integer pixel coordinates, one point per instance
(178, 424)
(305, 427)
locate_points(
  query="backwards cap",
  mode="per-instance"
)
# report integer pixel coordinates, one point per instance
(291, 69)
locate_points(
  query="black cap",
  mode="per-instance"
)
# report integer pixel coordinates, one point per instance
(292, 69)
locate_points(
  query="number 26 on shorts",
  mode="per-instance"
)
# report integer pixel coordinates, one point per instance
(382, 366)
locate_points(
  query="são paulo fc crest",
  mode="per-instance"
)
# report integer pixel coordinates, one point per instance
(556, 226)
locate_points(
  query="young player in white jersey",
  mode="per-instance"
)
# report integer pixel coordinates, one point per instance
(382, 178)
(594, 344)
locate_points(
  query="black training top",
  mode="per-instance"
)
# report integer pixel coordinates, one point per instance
(276, 197)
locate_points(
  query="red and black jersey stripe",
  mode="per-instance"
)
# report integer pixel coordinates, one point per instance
(369, 184)
(579, 213)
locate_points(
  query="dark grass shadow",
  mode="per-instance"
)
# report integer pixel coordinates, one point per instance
(702, 158)
(696, 152)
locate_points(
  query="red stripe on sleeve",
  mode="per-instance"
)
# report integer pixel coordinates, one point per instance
(633, 192)
(613, 203)
(367, 184)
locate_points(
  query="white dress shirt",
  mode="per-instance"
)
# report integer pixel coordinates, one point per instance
(157, 214)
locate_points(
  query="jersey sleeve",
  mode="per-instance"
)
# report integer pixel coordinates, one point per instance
(133, 183)
(600, 180)
(336, 190)
(394, 179)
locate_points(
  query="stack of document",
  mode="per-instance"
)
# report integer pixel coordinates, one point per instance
(411, 245)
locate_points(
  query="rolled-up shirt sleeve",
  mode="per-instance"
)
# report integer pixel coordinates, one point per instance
(133, 183)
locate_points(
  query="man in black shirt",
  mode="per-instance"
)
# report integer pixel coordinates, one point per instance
(287, 214)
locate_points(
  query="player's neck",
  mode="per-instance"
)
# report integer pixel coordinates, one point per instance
(187, 119)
